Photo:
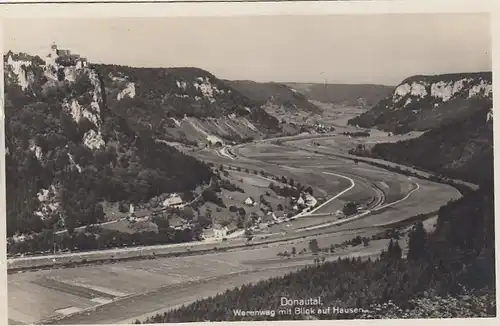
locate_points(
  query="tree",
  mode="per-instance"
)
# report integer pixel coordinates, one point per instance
(294, 251)
(188, 196)
(417, 242)
(123, 208)
(280, 207)
(248, 235)
(313, 246)
(394, 250)
(350, 208)
(99, 212)
(240, 223)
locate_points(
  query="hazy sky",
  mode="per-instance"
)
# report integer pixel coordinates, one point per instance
(382, 49)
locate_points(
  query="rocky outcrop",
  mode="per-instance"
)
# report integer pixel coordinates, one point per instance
(68, 152)
(426, 102)
(187, 105)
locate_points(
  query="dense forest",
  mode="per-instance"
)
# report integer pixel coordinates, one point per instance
(47, 149)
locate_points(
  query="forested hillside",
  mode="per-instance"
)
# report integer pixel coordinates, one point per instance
(462, 150)
(187, 105)
(274, 93)
(68, 153)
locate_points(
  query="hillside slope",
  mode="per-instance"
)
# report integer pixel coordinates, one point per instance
(277, 99)
(187, 105)
(462, 149)
(68, 152)
(364, 95)
(426, 102)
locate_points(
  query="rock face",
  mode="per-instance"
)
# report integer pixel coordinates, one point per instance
(69, 151)
(426, 102)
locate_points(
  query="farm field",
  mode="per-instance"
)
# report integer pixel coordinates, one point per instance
(76, 287)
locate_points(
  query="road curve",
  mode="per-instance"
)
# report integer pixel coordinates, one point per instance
(337, 195)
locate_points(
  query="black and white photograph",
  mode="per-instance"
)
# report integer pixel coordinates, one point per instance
(249, 168)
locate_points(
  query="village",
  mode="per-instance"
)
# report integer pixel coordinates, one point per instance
(237, 203)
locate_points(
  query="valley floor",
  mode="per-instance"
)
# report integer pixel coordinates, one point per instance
(125, 290)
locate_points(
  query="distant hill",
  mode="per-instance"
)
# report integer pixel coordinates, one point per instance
(277, 99)
(426, 102)
(366, 95)
(274, 93)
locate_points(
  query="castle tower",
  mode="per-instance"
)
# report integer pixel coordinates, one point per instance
(51, 57)
(53, 50)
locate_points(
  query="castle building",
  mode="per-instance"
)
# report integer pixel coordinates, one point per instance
(56, 53)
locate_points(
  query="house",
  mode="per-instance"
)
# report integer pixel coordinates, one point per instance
(177, 223)
(301, 201)
(250, 201)
(173, 201)
(310, 200)
(220, 231)
(262, 226)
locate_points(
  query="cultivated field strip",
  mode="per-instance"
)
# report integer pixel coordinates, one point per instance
(66, 286)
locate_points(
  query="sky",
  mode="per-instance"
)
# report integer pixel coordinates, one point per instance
(352, 49)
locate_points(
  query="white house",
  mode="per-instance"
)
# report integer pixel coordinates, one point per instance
(173, 201)
(310, 200)
(250, 201)
(301, 201)
(220, 232)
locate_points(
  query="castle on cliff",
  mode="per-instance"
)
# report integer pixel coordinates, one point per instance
(64, 57)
